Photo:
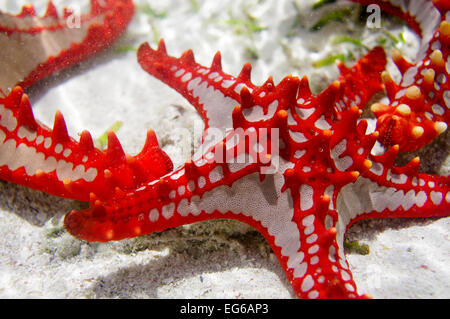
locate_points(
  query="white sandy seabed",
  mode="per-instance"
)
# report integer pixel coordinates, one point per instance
(38, 259)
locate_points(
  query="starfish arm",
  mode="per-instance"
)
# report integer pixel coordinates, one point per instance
(35, 47)
(318, 269)
(382, 189)
(49, 160)
(418, 110)
(367, 199)
(198, 190)
(211, 91)
(175, 199)
(216, 95)
(389, 191)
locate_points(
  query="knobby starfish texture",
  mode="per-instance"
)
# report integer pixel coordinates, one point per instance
(418, 110)
(296, 166)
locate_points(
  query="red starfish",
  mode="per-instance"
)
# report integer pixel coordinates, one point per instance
(296, 166)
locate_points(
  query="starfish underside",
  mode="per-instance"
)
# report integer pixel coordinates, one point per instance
(296, 166)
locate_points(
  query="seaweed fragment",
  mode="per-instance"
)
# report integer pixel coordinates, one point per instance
(336, 15)
(355, 247)
(320, 3)
(102, 141)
